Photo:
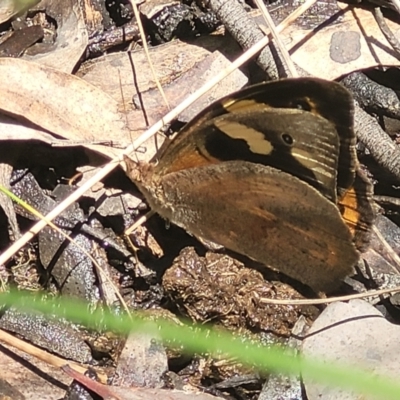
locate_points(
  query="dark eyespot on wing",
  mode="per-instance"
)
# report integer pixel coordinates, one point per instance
(288, 139)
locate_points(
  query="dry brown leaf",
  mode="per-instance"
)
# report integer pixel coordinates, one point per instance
(352, 42)
(131, 68)
(181, 87)
(181, 69)
(72, 37)
(131, 72)
(8, 8)
(59, 103)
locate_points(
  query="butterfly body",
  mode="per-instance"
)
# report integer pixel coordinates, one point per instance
(269, 173)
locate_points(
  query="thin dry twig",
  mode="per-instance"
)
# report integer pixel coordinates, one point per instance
(388, 248)
(396, 4)
(302, 302)
(283, 51)
(146, 50)
(139, 222)
(387, 200)
(390, 37)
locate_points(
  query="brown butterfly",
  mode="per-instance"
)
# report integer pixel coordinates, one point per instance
(269, 172)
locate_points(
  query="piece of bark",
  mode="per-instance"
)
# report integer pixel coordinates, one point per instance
(49, 332)
(20, 40)
(385, 152)
(372, 96)
(5, 202)
(247, 33)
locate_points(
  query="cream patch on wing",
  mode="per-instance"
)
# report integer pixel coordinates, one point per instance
(307, 160)
(256, 140)
(232, 105)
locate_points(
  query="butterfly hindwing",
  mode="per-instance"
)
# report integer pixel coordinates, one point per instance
(259, 211)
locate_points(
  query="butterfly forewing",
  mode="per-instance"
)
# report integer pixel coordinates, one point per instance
(294, 141)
